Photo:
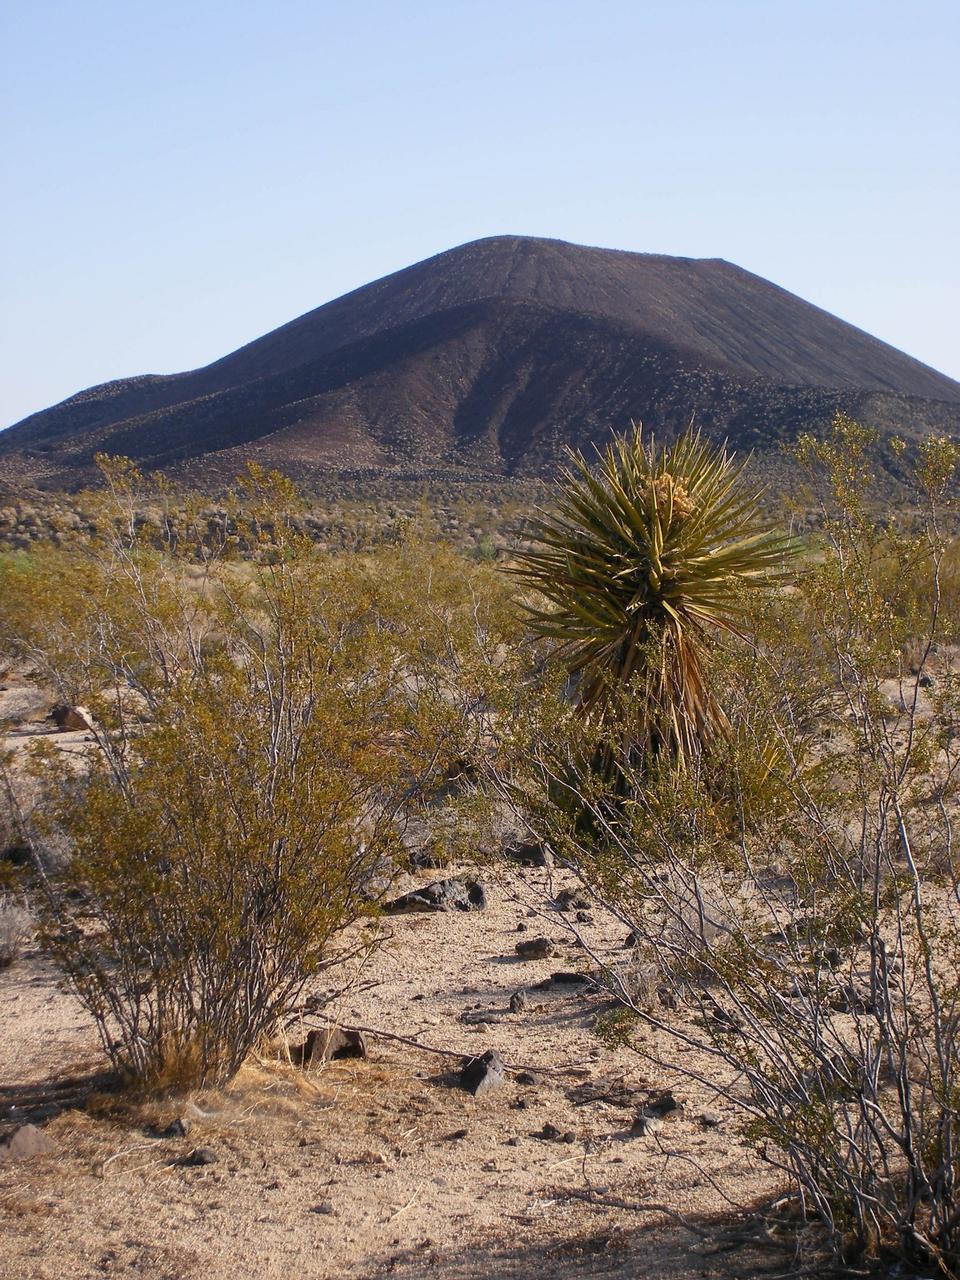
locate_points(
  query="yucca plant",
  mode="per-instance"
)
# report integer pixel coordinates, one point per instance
(643, 562)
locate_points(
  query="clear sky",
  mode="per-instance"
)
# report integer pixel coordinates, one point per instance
(180, 177)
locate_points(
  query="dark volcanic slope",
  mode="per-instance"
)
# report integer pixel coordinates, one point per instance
(489, 358)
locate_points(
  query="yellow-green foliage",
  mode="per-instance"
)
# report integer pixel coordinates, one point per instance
(260, 726)
(642, 562)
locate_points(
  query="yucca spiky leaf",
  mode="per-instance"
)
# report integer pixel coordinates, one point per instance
(642, 560)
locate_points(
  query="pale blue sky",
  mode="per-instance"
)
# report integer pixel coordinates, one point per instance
(182, 177)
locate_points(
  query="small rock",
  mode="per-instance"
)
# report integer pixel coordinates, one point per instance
(535, 949)
(584, 917)
(529, 853)
(428, 859)
(71, 718)
(646, 1124)
(324, 1207)
(457, 1135)
(441, 895)
(569, 978)
(522, 927)
(632, 939)
(513, 1142)
(484, 1073)
(570, 900)
(178, 1128)
(663, 1103)
(198, 1157)
(518, 1001)
(925, 682)
(330, 1043)
(710, 1120)
(650, 1118)
(526, 1077)
(26, 1142)
(550, 1133)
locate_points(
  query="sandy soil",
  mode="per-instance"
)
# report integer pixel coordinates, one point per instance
(385, 1166)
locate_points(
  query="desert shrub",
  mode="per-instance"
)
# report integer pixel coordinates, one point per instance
(233, 817)
(643, 562)
(17, 925)
(804, 917)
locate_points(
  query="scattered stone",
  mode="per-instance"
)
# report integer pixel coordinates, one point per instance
(329, 1043)
(522, 927)
(178, 1128)
(535, 949)
(441, 895)
(570, 900)
(518, 1001)
(429, 858)
(26, 1142)
(484, 1073)
(526, 1077)
(584, 917)
(568, 978)
(550, 1133)
(198, 1157)
(663, 1103)
(644, 1124)
(650, 1118)
(849, 1000)
(529, 853)
(324, 1207)
(71, 719)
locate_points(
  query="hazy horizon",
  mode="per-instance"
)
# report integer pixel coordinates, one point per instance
(178, 189)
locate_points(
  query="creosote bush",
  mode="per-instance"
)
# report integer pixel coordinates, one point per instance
(263, 729)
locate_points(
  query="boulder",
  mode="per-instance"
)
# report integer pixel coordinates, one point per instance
(528, 853)
(441, 895)
(535, 949)
(72, 719)
(329, 1043)
(25, 1143)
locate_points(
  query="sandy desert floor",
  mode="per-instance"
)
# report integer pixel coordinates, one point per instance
(386, 1166)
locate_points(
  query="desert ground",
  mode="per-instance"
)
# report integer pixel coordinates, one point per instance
(385, 1165)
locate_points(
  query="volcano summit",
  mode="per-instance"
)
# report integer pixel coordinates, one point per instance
(485, 361)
